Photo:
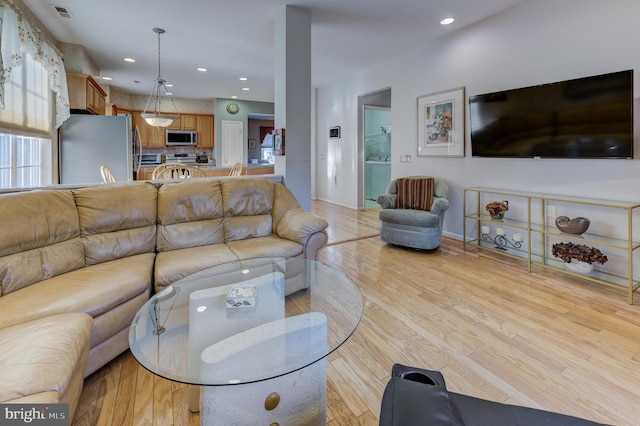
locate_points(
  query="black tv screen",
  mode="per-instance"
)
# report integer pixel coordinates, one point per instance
(589, 117)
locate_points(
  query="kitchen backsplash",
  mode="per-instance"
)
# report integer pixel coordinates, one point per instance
(180, 150)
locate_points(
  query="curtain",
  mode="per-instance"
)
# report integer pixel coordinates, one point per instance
(18, 36)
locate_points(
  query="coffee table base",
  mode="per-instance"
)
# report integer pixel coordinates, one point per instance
(296, 398)
(301, 397)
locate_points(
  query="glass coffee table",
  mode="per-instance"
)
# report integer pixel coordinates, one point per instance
(253, 335)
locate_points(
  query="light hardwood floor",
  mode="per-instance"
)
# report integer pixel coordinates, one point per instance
(541, 340)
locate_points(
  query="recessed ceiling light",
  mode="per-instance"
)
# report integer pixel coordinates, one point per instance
(169, 85)
(129, 60)
(245, 88)
(244, 78)
(169, 94)
(234, 97)
(106, 78)
(202, 69)
(447, 21)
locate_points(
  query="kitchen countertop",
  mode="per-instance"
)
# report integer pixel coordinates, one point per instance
(212, 166)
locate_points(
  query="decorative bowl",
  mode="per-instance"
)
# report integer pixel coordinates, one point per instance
(577, 225)
(497, 209)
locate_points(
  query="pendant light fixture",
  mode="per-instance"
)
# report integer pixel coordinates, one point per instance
(157, 118)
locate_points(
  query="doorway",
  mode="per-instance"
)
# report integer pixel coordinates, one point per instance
(377, 152)
(374, 147)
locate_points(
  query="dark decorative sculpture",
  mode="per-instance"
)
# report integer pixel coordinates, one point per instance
(579, 252)
(577, 225)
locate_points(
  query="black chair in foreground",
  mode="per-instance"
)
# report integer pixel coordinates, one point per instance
(415, 396)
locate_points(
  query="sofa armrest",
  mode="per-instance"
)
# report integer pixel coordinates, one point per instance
(387, 201)
(298, 225)
(439, 205)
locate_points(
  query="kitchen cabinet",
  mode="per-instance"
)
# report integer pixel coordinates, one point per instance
(85, 94)
(145, 172)
(111, 109)
(184, 122)
(259, 170)
(205, 131)
(151, 137)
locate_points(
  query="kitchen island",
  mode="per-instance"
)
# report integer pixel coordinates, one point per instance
(211, 170)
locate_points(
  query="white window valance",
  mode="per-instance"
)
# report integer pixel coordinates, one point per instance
(18, 36)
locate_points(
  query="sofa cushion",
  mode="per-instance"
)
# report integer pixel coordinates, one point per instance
(176, 264)
(243, 227)
(92, 290)
(190, 214)
(172, 265)
(247, 197)
(271, 246)
(42, 247)
(248, 205)
(117, 220)
(42, 355)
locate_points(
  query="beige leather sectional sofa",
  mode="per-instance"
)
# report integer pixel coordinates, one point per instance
(77, 264)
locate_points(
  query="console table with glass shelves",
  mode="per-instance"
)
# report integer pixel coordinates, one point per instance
(527, 231)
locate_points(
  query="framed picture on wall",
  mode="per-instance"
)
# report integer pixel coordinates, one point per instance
(441, 124)
(278, 142)
(252, 143)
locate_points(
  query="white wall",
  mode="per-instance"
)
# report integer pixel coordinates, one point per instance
(540, 41)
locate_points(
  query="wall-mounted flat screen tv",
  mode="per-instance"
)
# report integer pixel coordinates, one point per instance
(589, 117)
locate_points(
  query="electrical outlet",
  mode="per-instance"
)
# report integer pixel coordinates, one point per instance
(551, 211)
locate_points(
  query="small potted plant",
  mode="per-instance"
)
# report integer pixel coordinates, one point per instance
(578, 257)
(496, 209)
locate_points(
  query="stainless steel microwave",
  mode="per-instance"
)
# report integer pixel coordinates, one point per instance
(150, 159)
(182, 137)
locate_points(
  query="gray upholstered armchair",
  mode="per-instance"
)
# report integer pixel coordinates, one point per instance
(417, 220)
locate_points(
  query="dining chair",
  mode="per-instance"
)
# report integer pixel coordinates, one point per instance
(107, 174)
(179, 172)
(162, 167)
(237, 169)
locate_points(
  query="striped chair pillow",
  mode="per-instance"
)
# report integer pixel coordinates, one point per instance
(415, 193)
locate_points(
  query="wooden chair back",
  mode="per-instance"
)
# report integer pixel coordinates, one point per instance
(107, 174)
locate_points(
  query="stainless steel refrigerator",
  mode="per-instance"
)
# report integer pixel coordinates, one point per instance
(87, 142)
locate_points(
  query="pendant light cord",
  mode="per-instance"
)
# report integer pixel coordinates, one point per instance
(159, 31)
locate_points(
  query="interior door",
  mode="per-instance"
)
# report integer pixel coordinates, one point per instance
(232, 143)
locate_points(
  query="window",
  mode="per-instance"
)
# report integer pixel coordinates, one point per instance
(27, 98)
(25, 153)
(24, 161)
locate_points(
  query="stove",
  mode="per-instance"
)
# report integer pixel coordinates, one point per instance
(181, 158)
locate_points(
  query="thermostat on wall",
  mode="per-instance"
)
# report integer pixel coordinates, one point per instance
(334, 132)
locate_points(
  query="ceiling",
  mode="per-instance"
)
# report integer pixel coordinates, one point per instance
(234, 39)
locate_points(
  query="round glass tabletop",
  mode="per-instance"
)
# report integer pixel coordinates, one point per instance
(245, 321)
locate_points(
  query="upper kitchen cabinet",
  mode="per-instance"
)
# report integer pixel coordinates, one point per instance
(151, 137)
(184, 122)
(85, 94)
(205, 131)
